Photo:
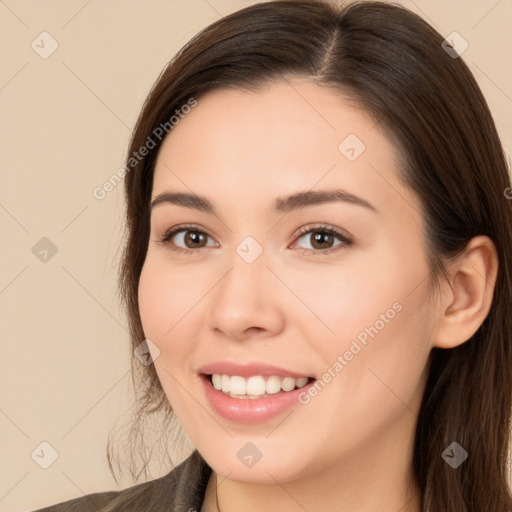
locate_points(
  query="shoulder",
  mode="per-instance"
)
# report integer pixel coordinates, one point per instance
(181, 489)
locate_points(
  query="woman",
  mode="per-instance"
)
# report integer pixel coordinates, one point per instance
(316, 259)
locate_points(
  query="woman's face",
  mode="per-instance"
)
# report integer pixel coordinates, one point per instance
(350, 310)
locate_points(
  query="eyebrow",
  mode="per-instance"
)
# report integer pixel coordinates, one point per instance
(285, 204)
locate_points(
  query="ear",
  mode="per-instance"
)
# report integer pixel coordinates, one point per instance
(466, 299)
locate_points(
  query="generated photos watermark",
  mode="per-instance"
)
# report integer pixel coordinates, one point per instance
(355, 348)
(156, 136)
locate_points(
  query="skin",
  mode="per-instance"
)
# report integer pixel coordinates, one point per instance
(350, 447)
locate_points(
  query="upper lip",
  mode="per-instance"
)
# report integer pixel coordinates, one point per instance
(248, 370)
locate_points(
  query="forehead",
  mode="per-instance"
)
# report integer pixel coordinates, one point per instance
(252, 147)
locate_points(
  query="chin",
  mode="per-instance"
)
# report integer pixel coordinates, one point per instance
(273, 464)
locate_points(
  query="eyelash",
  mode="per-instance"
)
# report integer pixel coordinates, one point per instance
(321, 228)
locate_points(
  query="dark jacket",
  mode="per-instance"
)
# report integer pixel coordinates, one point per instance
(181, 490)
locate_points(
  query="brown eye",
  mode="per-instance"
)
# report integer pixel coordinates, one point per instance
(189, 237)
(322, 239)
(194, 239)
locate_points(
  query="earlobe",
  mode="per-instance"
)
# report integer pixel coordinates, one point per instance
(467, 298)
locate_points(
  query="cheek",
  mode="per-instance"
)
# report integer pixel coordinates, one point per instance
(162, 302)
(373, 373)
(363, 294)
(167, 295)
(152, 301)
(172, 299)
(380, 356)
(375, 326)
(165, 304)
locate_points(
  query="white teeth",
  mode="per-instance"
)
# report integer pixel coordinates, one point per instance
(256, 386)
(273, 385)
(238, 386)
(225, 383)
(302, 381)
(217, 381)
(288, 384)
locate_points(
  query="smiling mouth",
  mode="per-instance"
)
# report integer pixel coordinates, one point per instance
(257, 386)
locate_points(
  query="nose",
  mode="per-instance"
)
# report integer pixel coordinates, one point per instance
(246, 301)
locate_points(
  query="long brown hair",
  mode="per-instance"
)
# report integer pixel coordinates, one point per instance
(393, 63)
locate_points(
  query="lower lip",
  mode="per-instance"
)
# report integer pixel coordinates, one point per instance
(251, 410)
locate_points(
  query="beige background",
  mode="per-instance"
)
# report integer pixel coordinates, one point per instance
(65, 122)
